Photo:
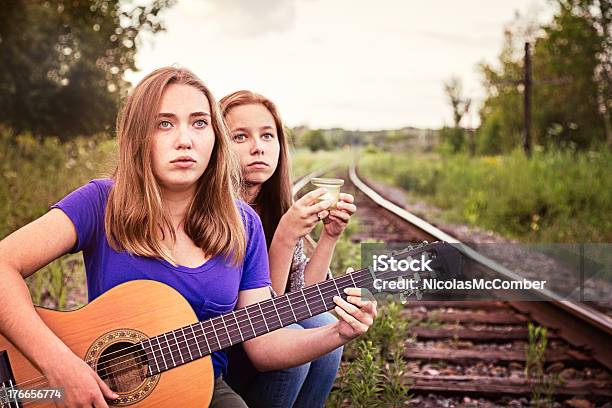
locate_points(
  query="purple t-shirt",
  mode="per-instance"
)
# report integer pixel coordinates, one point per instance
(211, 289)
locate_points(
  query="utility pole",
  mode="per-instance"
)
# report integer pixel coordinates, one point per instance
(527, 98)
(528, 83)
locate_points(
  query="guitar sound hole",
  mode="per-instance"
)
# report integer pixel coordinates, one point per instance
(123, 366)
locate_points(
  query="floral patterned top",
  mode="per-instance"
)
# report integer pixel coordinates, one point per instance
(298, 266)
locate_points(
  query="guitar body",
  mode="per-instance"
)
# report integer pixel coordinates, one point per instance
(141, 337)
(128, 313)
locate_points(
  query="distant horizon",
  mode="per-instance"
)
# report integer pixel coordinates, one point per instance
(363, 130)
(339, 63)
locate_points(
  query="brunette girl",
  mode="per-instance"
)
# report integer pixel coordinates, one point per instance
(168, 214)
(260, 143)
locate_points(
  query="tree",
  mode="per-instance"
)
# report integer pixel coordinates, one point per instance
(455, 137)
(567, 99)
(461, 106)
(315, 140)
(570, 93)
(599, 15)
(64, 61)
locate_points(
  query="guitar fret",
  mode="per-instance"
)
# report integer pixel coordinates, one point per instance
(291, 307)
(238, 325)
(154, 358)
(192, 343)
(275, 309)
(178, 347)
(204, 334)
(212, 324)
(195, 338)
(187, 342)
(337, 289)
(250, 321)
(162, 353)
(306, 302)
(353, 279)
(322, 298)
(170, 348)
(313, 296)
(229, 337)
(264, 317)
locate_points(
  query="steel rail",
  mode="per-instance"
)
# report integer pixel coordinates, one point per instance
(586, 313)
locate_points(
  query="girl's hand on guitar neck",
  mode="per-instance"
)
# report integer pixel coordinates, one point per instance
(81, 384)
(356, 313)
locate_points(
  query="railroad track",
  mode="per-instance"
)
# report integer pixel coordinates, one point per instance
(472, 353)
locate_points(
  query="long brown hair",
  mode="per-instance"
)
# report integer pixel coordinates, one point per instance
(274, 198)
(135, 214)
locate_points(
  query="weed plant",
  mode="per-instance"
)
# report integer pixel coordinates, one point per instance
(551, 197)
(542, 384)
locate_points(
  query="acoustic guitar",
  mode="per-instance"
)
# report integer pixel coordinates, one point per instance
(144, 340)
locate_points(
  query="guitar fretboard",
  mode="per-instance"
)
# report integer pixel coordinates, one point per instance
(188, 343)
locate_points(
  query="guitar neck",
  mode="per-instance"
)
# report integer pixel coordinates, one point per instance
(180, 346)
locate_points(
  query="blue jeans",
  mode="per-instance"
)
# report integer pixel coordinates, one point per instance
(306, 385)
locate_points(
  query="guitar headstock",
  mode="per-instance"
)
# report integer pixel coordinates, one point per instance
(404, 270)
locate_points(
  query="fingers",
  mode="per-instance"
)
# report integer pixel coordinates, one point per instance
(312, 196)
(307, 211)
(322, 214)
(340, 216)
(347, 198)
(318, 207)
(346, 207)
(364, 314)
(363, 292)
(363, 298)
(348, 318)
(100, 403)
(106, 391)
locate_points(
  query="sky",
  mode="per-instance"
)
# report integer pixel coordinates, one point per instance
(339, 63)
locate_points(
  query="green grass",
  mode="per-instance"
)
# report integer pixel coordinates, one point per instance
(36, 174)
(304, 161)
(372, 374)
(551, 197)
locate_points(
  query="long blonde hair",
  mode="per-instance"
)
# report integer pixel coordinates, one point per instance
(274, 198)
(135, 215)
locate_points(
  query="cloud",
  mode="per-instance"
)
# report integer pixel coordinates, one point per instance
(454, 39)
(242, 18)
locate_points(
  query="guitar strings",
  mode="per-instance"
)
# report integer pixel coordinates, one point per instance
(284, 310)
(162, 348)
(361, 280)
(268, 308)
(281, 308)
(167, 351)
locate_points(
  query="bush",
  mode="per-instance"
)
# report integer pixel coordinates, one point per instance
(453, 139)
(35, 174)
(553, 196)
